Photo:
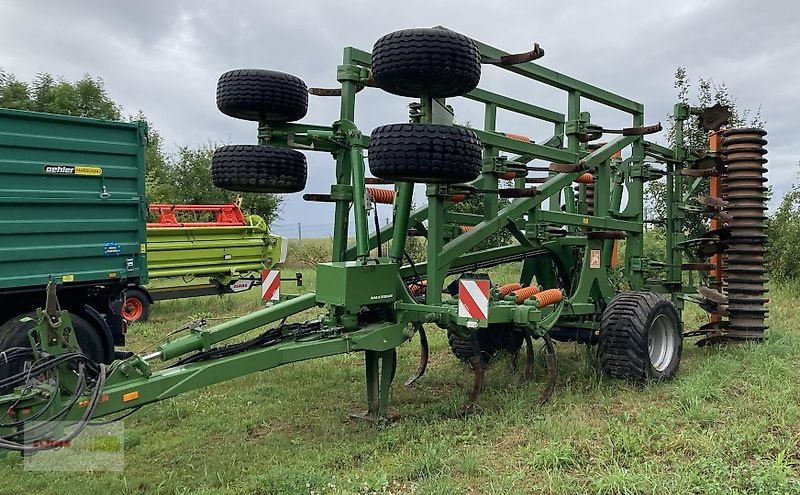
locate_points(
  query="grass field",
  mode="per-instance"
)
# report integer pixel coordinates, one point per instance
(727, 424)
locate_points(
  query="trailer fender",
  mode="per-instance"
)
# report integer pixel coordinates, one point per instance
(100, 324)
(144, 290)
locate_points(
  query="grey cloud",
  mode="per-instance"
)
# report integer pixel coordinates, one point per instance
(164, 57)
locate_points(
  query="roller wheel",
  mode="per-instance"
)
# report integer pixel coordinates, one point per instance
(426, 62)
(14, 333)
(259, 169)
(265, 95)
(424, 153)
(492, 341)
(641, 337)
(136, 307)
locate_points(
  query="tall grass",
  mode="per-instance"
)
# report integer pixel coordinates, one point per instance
(729, 423)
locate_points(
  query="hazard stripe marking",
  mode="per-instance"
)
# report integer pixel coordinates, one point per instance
(270, 285)
(473, 299)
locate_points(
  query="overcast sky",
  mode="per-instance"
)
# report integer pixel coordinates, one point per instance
(164, 58)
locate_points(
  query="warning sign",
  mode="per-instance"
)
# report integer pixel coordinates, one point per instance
(594, 258)
(270, 285)
(473, 298)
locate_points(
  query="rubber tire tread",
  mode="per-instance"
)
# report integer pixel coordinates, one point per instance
(259, 169)
(431, 153)
(491, 341)
(140, 295)
(623, 348)
(258, 94)
(426, 62)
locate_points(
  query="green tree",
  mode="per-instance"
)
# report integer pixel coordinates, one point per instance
(86, 97)
(783, 234)
(695, 137)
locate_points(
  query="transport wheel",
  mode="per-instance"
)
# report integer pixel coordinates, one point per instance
(136, 307)
(14, 333)
(641, 337)
(426, 62)
(265, 95)
(492, 340)
(424, 153)
(260, 169)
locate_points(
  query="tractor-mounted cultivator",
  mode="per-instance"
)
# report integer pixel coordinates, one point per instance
(569, 202)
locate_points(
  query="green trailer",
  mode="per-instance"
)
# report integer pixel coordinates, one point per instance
(72, 211)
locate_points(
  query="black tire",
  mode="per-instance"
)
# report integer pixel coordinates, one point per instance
(492, 340)
(140, 297)
(14, 333)
(265, 95)
(426, 62)
(260, 169)
(631, 328)
(424, 153)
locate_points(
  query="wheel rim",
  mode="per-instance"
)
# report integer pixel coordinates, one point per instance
(661, 342)
(133, 308)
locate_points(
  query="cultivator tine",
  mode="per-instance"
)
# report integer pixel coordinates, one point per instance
(478, 373)
(528, 357)
(712, 118)
(516, 58)
(635, 131)
(423, 358)
(550, 361)
(477, 385)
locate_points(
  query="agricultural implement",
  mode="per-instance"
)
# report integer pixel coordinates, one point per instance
(216, 242)
(569, 202)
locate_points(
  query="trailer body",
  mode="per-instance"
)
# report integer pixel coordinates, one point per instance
(72, 211)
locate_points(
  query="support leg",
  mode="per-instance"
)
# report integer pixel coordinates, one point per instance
(373, 383)
(388, 368)
(380, 369)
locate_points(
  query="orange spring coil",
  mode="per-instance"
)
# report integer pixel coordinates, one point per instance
(509, 288)
(466, 228)
(548, 297)
(518, 137)
(418, 288)
(586, 178)
(383, 196)
(526, 293)
(508, 176)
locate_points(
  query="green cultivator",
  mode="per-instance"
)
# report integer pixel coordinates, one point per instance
(570, 201)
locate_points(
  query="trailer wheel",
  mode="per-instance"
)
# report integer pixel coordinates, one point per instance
(426, 62)
(260, 169)
(14, 333)
(265, 95)
(641, 337)
(424, 153)
(492, 340)
(136, 307)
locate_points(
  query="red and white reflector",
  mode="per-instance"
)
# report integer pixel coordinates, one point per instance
(473, 298)
(270, 285)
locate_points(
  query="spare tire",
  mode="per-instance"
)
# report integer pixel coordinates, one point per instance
(265, 95)
(424, 153)
(426, 62)
(260, 169)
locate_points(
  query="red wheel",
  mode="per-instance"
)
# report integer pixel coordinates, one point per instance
(136, 307)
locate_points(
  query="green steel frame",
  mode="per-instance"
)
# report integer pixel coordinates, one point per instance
(563, 261)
